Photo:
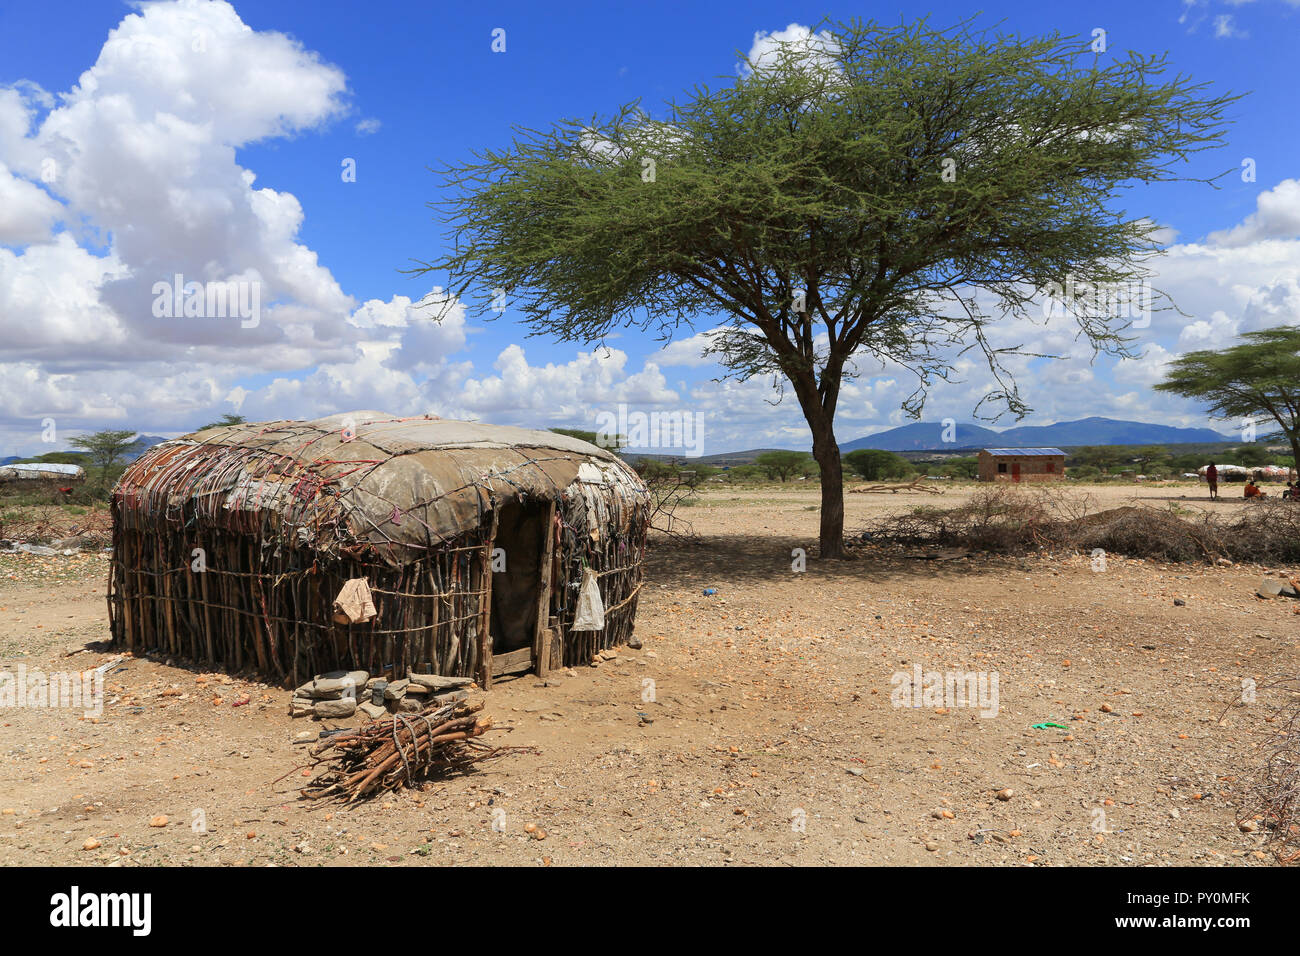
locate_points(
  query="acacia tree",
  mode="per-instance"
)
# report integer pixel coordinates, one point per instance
(225, 421)
(106, 448)
(874, 464)
(1101, 457)
(782, 465)
(1147, 454)
(1258, 379)
(875, 198)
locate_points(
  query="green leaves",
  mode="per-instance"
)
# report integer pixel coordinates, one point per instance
(783, 465)
(880, 198)
(225, 421)
(876, 465)
(106, 448)
(856, 200)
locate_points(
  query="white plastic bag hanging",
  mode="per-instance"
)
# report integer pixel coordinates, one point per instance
(591, 610)
(354, 604)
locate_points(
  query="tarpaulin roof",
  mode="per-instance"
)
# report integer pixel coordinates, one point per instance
(1027, 452)
(366, 476)
(41, 469)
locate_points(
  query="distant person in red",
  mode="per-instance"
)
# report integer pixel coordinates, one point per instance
(1252, 489)
(1212, 476)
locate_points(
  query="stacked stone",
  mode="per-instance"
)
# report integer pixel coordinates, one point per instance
(343, 693)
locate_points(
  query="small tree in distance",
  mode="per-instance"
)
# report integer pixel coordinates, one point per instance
(967, 466)
(873, 464)
(1252, 456)
(1100, 457)
(224, 421)
(106, 449)
(612, 442)
(1144, 456)
(782, 465)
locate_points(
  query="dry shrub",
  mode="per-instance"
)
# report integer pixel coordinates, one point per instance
(1272, 794)
(999, 520)
(1268, 530)
(1004, 520)
(1150, 533)
(670, 489)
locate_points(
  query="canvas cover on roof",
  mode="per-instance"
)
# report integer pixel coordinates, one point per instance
(1025, 452)
(42, 469)
(399, 484)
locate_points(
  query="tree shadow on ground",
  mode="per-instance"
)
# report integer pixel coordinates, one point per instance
(719, 560)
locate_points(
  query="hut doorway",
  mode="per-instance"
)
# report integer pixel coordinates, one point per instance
(520, 554)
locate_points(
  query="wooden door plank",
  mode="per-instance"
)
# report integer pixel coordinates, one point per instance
(541, 633)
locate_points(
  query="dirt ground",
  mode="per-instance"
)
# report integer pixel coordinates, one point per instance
(755, 726)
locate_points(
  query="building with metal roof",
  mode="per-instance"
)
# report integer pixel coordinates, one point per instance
(1025, 452)
(1021, 464)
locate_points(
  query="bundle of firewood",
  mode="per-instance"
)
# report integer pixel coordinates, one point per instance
(399, 751)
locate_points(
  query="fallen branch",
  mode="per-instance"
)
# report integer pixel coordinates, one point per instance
(914, 485)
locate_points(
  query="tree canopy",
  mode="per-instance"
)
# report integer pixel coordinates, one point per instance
(874, 464)
(782, 465)
(106, 448)
(874, 200)
(222, 422)
(967, 466)
(581, 434)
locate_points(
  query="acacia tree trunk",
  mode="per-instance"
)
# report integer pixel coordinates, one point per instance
(818, 401)
(827, 455)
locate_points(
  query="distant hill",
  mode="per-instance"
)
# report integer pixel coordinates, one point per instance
(928, 436)
(1086, 431)
(146, 442)
(921, 436)
(1108, 431)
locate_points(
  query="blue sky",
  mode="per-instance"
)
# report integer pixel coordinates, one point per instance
(398, 87)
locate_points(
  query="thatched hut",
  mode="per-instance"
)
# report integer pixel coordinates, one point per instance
(363, 541)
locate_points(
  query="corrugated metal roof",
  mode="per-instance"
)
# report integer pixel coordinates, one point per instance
(1025, 452)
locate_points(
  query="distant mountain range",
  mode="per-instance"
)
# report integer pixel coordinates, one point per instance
(146, 442)
(929, 436)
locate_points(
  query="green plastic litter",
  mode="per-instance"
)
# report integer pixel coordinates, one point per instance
(1044, 726)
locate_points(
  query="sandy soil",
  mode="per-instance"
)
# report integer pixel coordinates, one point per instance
(771, 737)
